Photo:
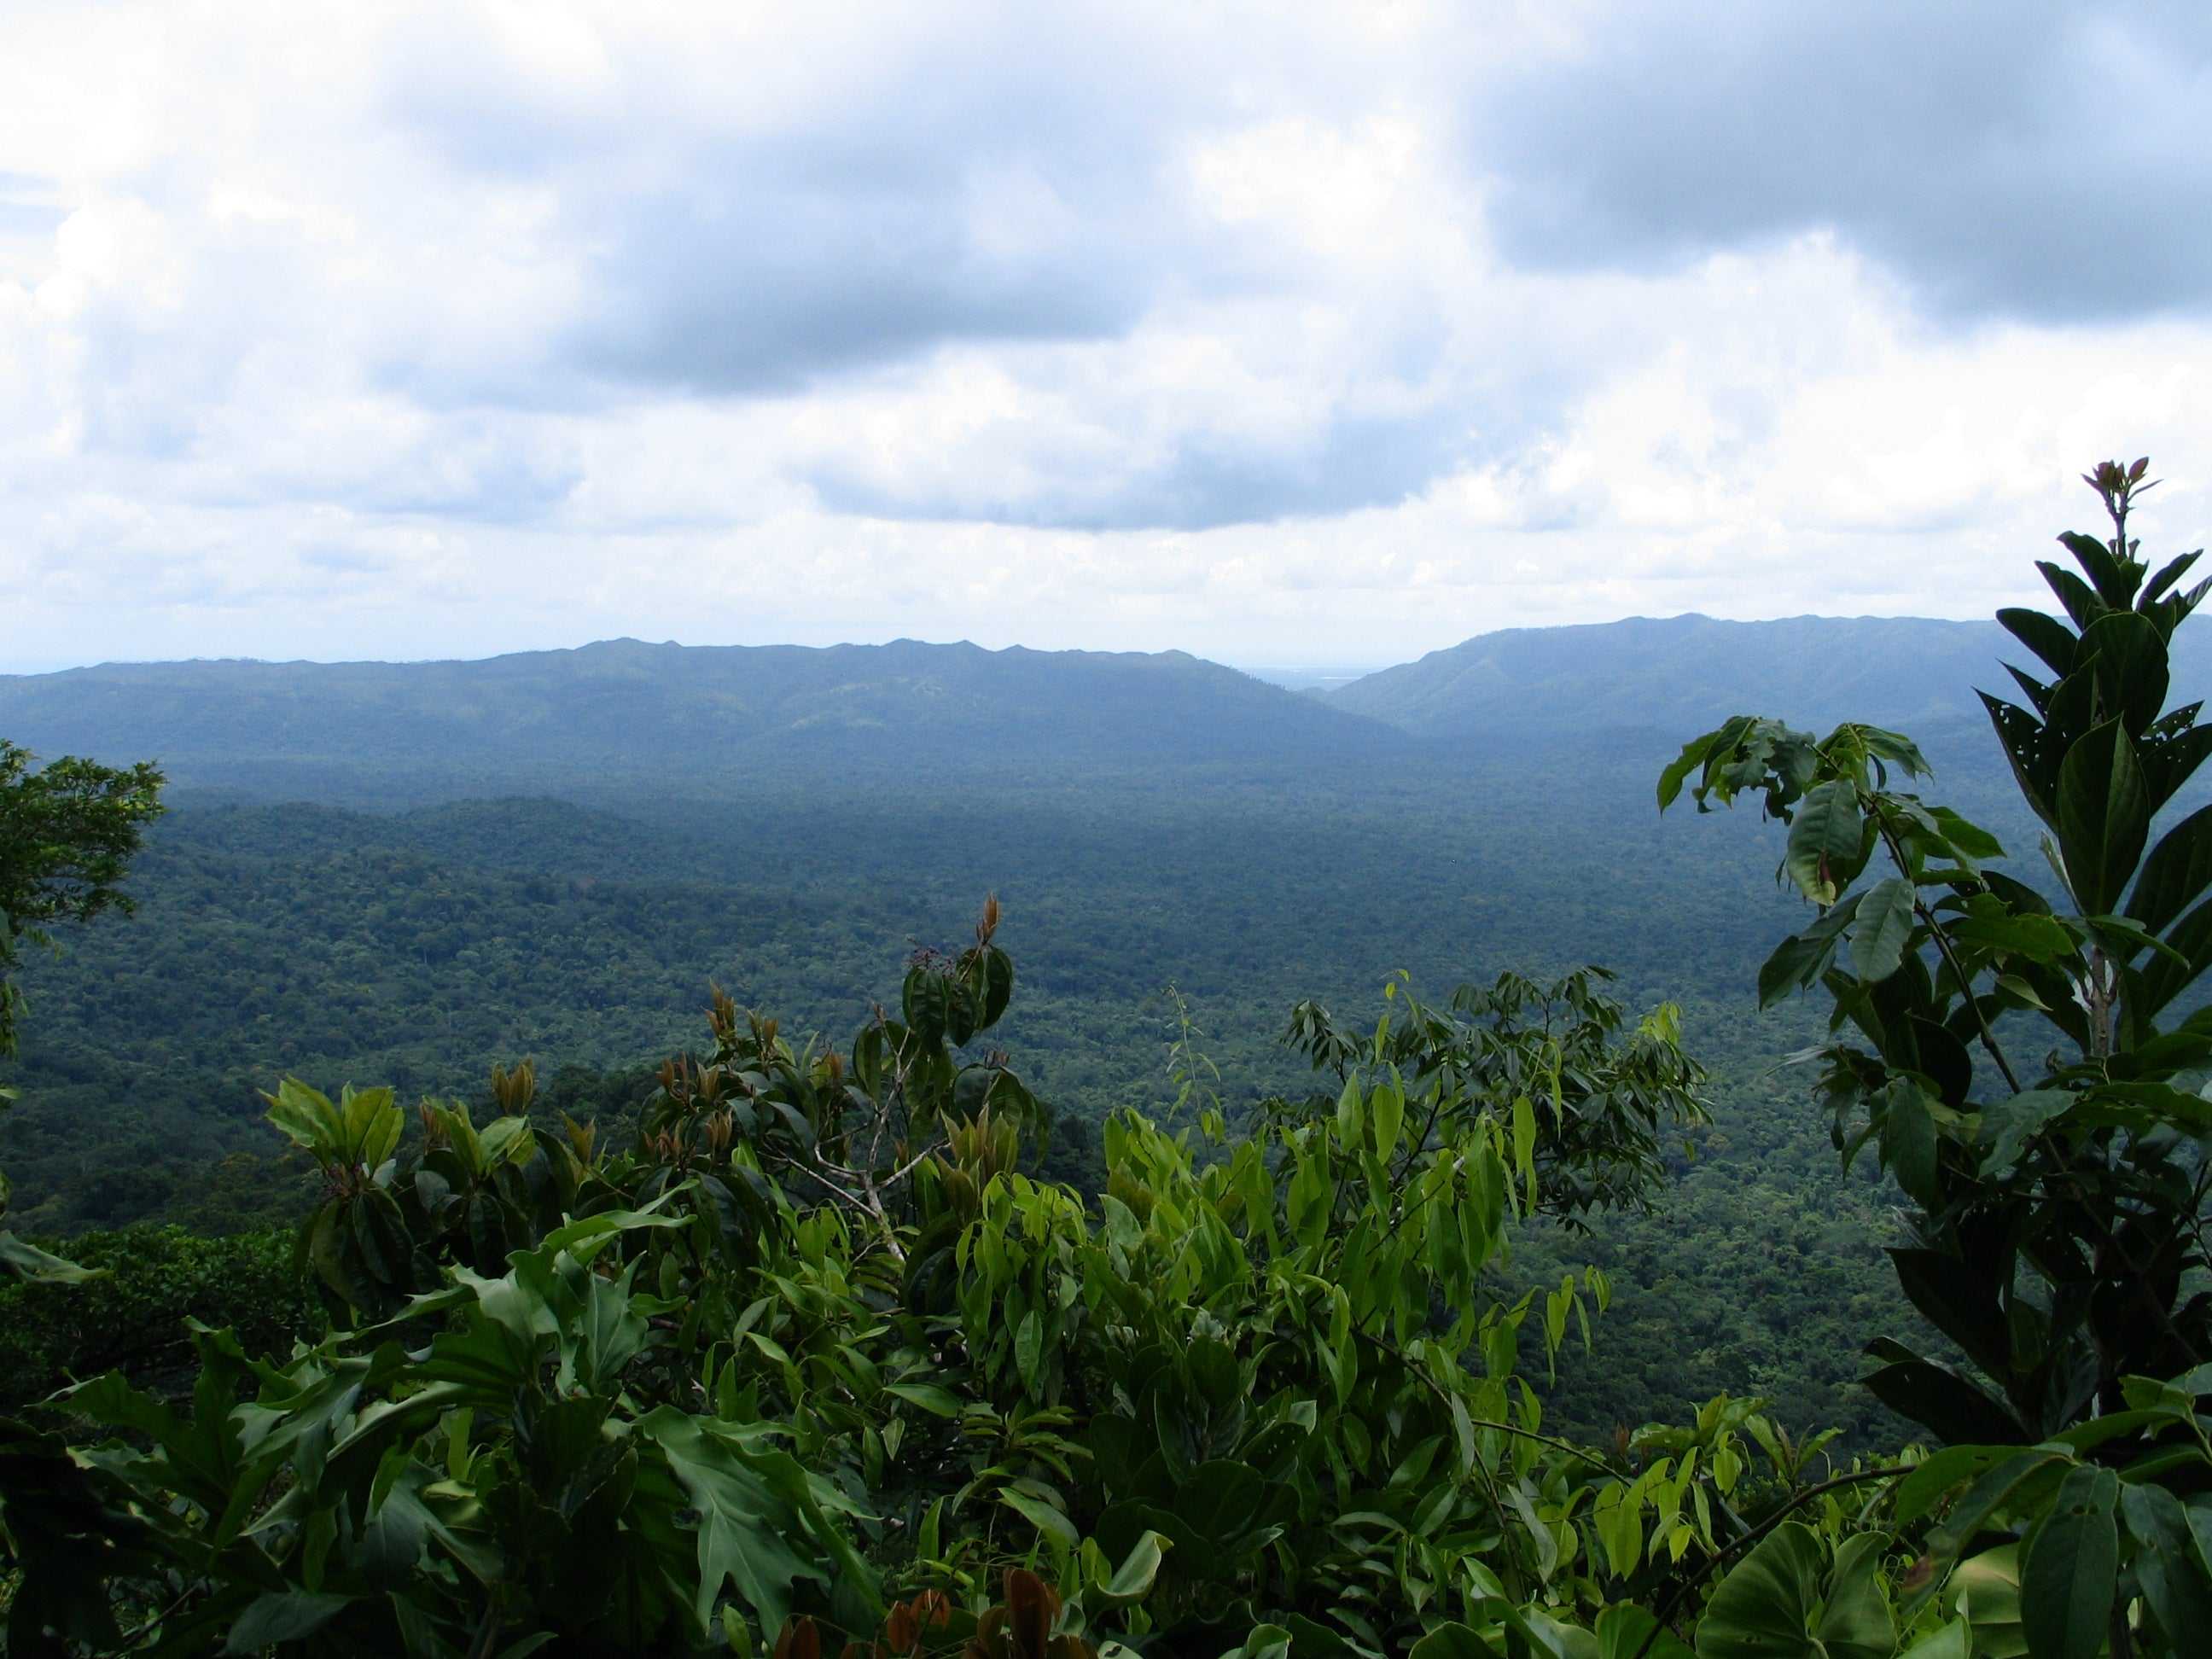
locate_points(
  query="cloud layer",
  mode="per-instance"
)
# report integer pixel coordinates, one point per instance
(1320, 338)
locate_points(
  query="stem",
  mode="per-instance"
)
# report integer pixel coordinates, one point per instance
(1951, 957)
(138, 1635)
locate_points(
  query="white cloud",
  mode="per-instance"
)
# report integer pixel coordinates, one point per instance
(401, 331)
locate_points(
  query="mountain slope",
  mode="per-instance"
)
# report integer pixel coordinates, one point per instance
(626, 707)
(1683, 674)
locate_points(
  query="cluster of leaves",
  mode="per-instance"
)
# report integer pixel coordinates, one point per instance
(2060, 1205)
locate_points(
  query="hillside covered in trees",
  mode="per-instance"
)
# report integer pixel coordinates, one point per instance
(1253, 1234)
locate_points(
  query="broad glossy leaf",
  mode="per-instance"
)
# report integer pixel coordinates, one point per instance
(2166, 1565)
(940, 1402)
(1855, 1619)
(760, 1525)
(2104, 816)
(1884, 925)
(2175, 874)
(2072, 1563)
(1762, 1609)
(1825, 838)
(1042, 1516)
(1986, 1591)
(1908, 1140)
(1696, 753)
(1960, 1299)
(1942, 1401)
(2045, 635)
(2081, 603)
(283, 1616)
(1134, 1579)
(1625, 1631)
(2132, 666)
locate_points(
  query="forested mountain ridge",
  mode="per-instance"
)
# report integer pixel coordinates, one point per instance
(625, 704)
(1668, 673)
(619, 710)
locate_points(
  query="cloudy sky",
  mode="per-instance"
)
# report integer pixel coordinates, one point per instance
(1288, 337)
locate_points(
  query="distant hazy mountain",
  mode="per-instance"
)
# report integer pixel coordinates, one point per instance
(692, 711)
(1684, 674)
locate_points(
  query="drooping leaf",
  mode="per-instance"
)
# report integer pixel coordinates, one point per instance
(283, 1616)
(2068, 1576)
(2175, 874)
(1824, 840)
(1884, 925)
(2043, 635)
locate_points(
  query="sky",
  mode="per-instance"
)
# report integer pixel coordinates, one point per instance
(1301, 336)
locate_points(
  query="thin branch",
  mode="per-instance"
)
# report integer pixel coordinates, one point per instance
(1943, 944)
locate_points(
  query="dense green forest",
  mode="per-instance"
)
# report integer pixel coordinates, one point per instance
(406, 948)
(1222, 1282)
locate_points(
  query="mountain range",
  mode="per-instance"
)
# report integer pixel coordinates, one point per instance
(625, 708)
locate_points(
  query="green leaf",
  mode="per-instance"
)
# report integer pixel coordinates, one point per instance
(1885, 924)
(2166, 1565)
(1263, 1642)
(1452, 1641)
(42, 1266)
(1719, 740)
(2039, 939)
(1029, 1350)
(1798, 960)
(1351, 1114)
(282, 1616)
(1855, 1619)
(942, 1402)
(1986, 1592)
(1388, 1104)
(2008, 1125)
(1824, 840)
(1908, 1140)
(2175, 874)
(2045, 635)
(760, 1522)
(2104, 816)
(1762, 1609)
(1133, 1580)
(1625, 1631)
(1939, 1400)
(1041, 1516)
(2130, 666)
(2071, 1568)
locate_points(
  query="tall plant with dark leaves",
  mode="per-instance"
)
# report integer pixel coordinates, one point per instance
(2011, 1051)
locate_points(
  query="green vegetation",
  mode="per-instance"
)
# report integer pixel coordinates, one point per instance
(67, 832)
(889, 1344)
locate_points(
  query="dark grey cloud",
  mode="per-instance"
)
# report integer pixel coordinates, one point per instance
(2045, 161)
(1000, 186)
(749, 279)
